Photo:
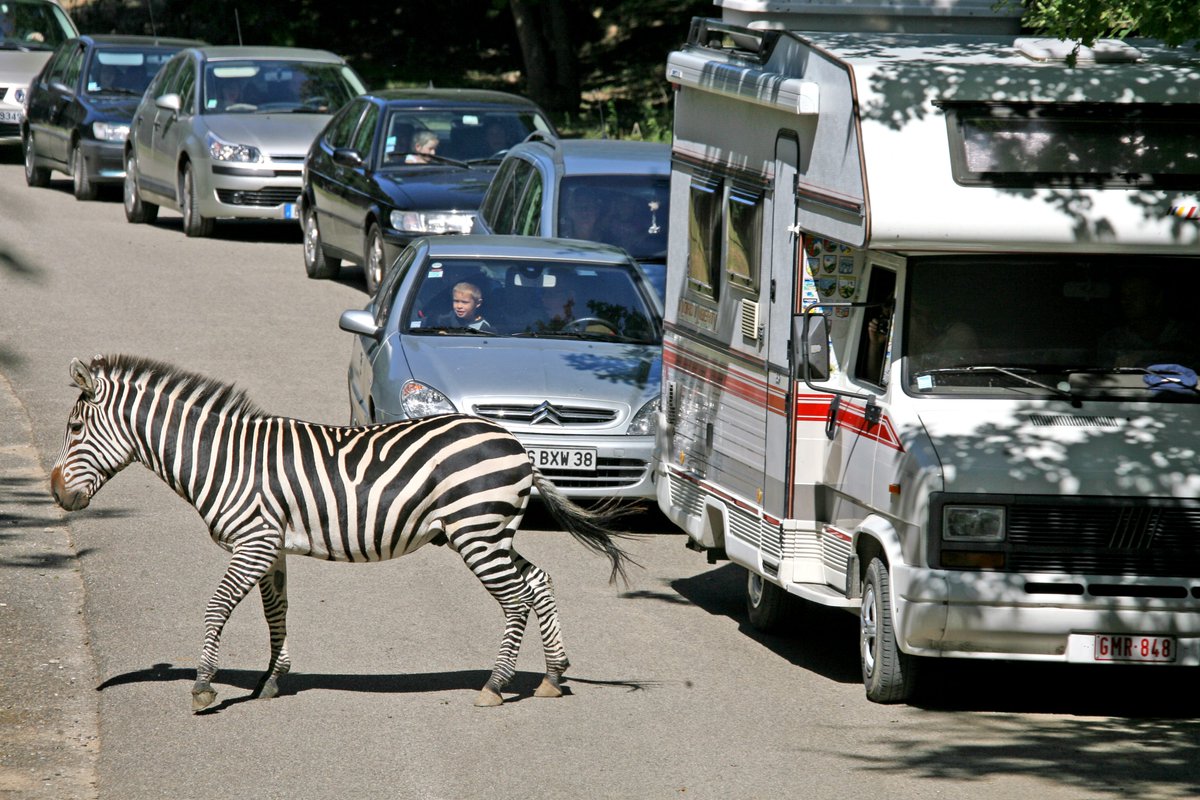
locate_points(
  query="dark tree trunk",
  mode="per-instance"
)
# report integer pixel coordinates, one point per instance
(549, 53)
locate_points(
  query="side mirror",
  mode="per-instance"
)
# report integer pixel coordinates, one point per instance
(810, 346)
(347, 158)
(61, 87)
(360, 322)
(169, 102)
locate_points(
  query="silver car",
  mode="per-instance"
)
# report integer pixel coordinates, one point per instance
(222, 132)
(556, 339)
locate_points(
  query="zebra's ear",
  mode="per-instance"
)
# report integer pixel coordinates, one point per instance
(82, 377)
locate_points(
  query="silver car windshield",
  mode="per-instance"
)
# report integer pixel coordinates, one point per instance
(552, 299)
(272, 87)
(629, 211)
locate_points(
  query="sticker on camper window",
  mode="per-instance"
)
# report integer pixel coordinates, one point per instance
(847, 287)
(924, 382)
(846, 265)
(826, 286)
(829, 263)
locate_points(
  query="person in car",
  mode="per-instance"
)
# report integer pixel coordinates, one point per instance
(465, 308)
(424, 145)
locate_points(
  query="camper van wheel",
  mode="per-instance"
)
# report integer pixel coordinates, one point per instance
(889, 675)
(766, 603)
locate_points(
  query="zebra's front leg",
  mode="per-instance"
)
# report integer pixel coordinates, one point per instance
(273, 586)
(249, 563)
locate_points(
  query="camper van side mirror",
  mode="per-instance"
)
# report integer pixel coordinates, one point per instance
(810, 346)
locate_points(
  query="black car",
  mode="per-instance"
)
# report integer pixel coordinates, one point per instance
(398, 164)
(81, 103)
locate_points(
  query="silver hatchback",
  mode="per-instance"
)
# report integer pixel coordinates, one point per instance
(556, 339)
(222, 132)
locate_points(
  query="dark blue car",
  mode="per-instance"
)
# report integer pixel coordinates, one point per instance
(81, 103)
(402, 163)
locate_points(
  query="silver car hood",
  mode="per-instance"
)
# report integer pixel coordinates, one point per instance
(475, 369)
(274, 134)
(21, 67)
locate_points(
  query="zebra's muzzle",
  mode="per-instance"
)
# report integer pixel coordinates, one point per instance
(67, 499)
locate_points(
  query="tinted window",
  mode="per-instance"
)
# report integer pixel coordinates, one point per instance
(704, 236)
(34, 25)
(465, 134)
(124, 70)
(365, 136)
(495, 192)
(72, 67)
(342, 128)
(629, 211)
(506, 204)
(262, 86)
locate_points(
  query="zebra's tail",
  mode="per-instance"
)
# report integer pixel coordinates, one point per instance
(590, 527)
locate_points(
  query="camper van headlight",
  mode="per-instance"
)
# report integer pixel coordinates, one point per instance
(973, 523)
(419, 400)
(643, 422)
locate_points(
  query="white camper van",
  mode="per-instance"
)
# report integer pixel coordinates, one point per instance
(931, 331)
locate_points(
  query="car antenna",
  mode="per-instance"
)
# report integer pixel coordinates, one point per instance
(238, 23)
(603, 130)
(153, 27)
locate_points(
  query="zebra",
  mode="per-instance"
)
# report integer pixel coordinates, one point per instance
(269, 487)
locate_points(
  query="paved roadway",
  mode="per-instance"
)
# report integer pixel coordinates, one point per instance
(671, 695)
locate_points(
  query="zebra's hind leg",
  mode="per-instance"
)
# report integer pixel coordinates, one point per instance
(273, 587)
(546, 609)
(250, 562)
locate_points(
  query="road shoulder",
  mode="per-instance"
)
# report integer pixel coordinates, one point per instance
(48, 707)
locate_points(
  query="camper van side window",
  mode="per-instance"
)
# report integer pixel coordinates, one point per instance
(743, 228)
(704, 236)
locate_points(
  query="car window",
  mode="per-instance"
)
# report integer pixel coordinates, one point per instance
(463, 134)
(533, 298)
(506, 204)
(629, 211)
(527, 221)
(493, 198)
(158, 87)
(57, 64)
(73, 66)
(123, 70)
(186, 88)
(269, 86)
(391, 283)
(342, 128)
(364, 137)
(36, 26)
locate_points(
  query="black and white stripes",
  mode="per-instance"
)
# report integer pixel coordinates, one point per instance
(271, 486)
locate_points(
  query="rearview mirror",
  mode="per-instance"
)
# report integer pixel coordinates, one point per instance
(810, 346)
(360, 322)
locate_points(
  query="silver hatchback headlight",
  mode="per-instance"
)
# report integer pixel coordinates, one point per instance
(419, 400)
(221, 150)
(644, 422)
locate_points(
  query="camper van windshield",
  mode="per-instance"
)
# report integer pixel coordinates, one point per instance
(1045, 326)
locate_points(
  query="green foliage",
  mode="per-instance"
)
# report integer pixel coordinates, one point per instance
(1173, 21)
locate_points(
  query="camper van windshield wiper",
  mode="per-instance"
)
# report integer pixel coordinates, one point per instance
(1020, 373)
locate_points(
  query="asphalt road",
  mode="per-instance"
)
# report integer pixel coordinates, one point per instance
(671, 695)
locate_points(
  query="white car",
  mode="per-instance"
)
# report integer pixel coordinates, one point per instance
(30, 30)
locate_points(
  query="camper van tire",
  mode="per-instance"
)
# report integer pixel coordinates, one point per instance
(889, 675)
(766, 604)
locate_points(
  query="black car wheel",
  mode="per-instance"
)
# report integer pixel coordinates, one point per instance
(373, 259)
(316, 263)
(84, 188)
(193, 223)
(137, 210)
(889, 674)
(34, 175)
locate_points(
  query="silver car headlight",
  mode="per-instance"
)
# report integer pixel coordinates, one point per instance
(110, 131)
(419, 400)
(644, 422)
(434, 222)
(973, 523)
(221, 150)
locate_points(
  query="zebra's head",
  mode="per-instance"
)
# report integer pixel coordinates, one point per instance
(94, 448)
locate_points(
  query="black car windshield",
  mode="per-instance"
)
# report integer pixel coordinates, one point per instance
(554, 299)
(272, 87)
(125, 70)
(629, 211)
(430, 136)
(32, 25)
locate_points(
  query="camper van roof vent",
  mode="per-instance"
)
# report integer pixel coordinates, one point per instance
(1103, 51)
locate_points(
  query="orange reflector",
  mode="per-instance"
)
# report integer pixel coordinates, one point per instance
(962, 559)
(893, 488)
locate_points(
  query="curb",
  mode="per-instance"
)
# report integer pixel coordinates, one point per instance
(48, 707)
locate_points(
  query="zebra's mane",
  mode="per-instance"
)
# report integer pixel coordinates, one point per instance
(128, 369)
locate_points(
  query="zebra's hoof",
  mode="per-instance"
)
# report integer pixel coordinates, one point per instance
(547, 688)
(270, 688)
(487, 698)
(202, 699)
